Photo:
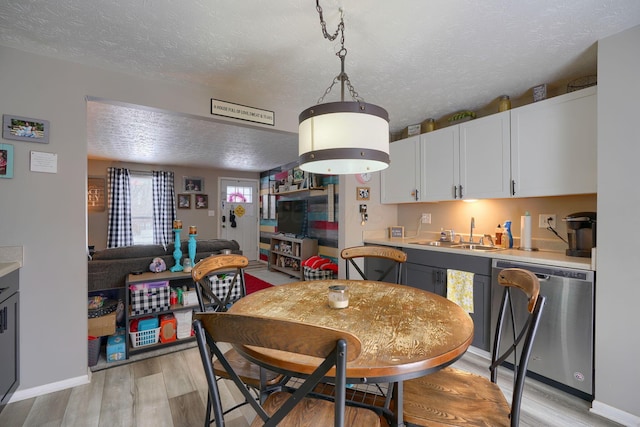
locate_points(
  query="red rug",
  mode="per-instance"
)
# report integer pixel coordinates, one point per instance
(253, 284)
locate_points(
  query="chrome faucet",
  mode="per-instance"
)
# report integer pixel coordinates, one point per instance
(473, 225)
(485, 238)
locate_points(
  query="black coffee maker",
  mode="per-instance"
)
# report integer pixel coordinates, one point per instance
(581, 231)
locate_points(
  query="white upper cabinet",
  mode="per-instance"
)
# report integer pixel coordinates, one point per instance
(440, 151)
(401, 180)
(485, 170)
(467, 161)
(554, 146)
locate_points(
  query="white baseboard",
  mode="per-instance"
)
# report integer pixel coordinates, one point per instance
(614, 414)
(49, 388)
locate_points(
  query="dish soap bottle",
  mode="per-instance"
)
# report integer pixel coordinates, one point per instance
(498, 241)
(508, 237)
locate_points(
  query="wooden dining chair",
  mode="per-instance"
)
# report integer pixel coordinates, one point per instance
(451, 397)
(396, 257)
(260, 380)
(333, 347)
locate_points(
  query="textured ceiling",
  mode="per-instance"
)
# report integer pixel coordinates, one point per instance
(415, 58)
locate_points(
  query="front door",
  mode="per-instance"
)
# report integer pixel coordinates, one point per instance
(239, 214)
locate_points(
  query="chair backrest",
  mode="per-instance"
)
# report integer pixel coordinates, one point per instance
(228, 291)
(336, 347)
(396, 256)
(516, 328)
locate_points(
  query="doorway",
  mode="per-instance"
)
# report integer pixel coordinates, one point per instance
(239, 203)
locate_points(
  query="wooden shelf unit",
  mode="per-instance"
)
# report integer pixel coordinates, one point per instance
(178, 279)
(286, 254)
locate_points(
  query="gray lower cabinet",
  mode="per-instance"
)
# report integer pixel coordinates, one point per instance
(9, 336)
(427, 270)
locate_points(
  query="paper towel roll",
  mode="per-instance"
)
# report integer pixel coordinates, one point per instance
(525, 232)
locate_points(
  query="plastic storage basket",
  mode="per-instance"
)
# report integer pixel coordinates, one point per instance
(143, 338)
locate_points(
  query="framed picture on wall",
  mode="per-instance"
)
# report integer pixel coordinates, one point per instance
(6, 161)
(363, 193)
(192, 184)
(25, 129)
(184, 201)
(202, 201)
(96, 194)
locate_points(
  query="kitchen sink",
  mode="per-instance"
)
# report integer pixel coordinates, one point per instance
(432, 243)
(477, 247)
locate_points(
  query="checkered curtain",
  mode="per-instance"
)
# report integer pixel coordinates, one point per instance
(119, 204)
(164, 207)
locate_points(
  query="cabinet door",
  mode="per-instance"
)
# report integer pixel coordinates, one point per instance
(400, 181)
(427, 278)
(481, 315)
(439, 164)
(9, 347)
(554, 145)
(485, 170)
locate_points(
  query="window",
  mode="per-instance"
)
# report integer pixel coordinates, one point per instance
(141, 187)
(237, 194)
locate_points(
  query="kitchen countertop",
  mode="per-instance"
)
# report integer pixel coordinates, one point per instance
(10, 259)
(8, 267)
(557, 259)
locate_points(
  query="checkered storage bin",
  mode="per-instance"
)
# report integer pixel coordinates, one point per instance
(151, 298)
(220, 286)
(317, 274)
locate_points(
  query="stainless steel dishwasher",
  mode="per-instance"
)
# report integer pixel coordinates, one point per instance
(562, 353)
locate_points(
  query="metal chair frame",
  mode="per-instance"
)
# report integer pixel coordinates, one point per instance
(396, 255)
(334, 346)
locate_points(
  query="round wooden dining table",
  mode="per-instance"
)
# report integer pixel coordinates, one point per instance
(405, 332)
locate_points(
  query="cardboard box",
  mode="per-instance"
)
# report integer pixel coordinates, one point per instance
(115, 347)
(103, 325)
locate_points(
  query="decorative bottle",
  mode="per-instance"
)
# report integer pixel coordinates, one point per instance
(508, 236)
(498, 241)
(504, 103)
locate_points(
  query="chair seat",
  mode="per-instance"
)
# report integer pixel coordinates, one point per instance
(451, 397)
(248, 372)
(316, 412)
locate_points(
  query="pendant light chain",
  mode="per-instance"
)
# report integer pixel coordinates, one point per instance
(342, 53)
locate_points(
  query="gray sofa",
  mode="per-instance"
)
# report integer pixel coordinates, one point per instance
(109, 268)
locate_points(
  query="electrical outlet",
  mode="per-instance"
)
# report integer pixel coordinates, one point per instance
(425, 218)
(542, 220)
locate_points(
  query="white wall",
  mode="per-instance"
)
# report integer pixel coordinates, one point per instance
(618, 281)
(46, 213)
(351, 229)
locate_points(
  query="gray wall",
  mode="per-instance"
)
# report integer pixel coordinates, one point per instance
(46, 213)
(618, 282)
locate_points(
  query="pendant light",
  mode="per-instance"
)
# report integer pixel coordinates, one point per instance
(345, 137)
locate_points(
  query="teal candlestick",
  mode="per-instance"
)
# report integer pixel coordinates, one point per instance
(192, 248)
(177, 253)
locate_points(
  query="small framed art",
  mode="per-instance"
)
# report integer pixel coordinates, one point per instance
(396, 231)
(6, 161)
(192, 184)
(96, 194)
(363, 193)
(202, 201)
(184, 201)
(25, 129)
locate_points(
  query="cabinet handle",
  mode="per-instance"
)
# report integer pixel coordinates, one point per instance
(455, 192)
(461, 191)
(513, 187)
(417, 195)
(3, 320)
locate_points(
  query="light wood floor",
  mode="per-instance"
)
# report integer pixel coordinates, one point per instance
(170, 390)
